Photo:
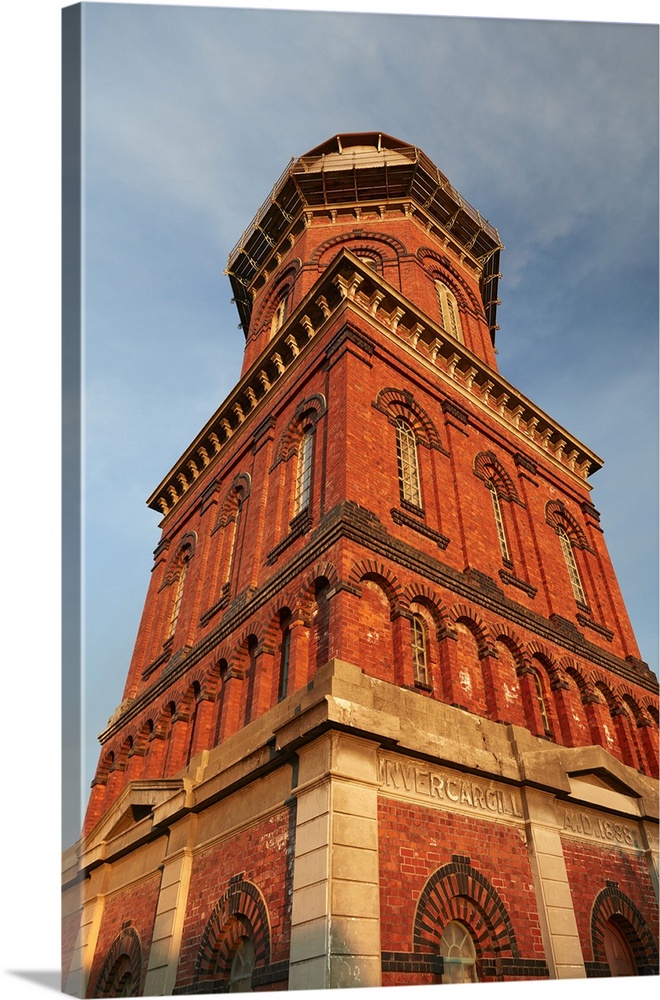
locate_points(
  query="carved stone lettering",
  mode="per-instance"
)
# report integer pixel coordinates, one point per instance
(449, 788)
(595, 827)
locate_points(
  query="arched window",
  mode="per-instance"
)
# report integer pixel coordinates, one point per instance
(242, 966)
(499, 521)
(459, 954)
(571, 566)
(303, 473)
(450, 320)
(406, 450)
(420, 663)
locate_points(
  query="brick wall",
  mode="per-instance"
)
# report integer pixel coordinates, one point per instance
(133, 907)
(258, 855)
(591, 869)
(415, 842)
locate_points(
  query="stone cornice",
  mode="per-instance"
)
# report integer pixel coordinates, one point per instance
(348, 280)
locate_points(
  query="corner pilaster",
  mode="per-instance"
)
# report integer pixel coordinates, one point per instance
(553, 895)
(335, 925)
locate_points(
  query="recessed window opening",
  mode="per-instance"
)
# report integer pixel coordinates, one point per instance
(176, 607)
(450, 320)
(303, 473)
(279, 316)
(499, 521)
(538, 688)
(285, 651)
(420, 664)
(406, 445)
(571, 566)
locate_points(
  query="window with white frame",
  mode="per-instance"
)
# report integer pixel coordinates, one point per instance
(450, 320)
(406, 449)
(303, 472)
(419, 653)
(499, 521)
(571, 566)
(540, 698)
(458, 953)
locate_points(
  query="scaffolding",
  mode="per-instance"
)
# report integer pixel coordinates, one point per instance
(364, 169)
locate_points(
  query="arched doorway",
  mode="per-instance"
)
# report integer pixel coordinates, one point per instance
(618, 951)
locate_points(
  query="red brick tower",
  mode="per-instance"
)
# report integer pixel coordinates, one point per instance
(386, 720)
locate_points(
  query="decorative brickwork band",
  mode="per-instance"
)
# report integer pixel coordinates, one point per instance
(121, 974)
(240, 913)
(458, 891)
(612, 905)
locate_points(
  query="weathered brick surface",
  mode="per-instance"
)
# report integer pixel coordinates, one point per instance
(590, 868)
(135, 907)
(260, 855)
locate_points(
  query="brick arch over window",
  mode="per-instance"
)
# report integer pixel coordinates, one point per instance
(489, 469)
(183, 554)
(234, 498)
(241, 912)
(558, 517)
(308, 412)
(473, 622)
(500, 632)
(280, 288)
(123, 958)
(440, 268)
(613, 904)
(369, 569)
(306, 591)
(401, 403)
(422, 594)
(458, 891)
(357, 241)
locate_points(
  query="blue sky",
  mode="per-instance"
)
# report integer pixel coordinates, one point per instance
(190, 116)
(550, 129)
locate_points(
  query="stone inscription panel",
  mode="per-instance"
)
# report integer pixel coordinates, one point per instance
(450, 789)
(591, 825)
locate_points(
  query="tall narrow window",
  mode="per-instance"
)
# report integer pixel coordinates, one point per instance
(303, 473)
(420, 665)
(450, 320)
(459, 954)
(232, 527)
(278, 316)
(285, 648)
(499, 521)
(406, 448)
(538, 688)
(571, 566)
(176, 607)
